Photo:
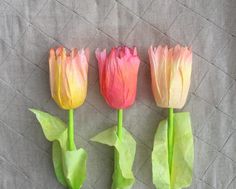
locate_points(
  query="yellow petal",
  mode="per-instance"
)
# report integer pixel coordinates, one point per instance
(68, 77)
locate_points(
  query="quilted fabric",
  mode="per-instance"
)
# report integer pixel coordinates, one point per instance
(30, 28)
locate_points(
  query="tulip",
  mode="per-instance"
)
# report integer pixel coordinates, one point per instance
(68, 82)
(118, 76)
(170, 73)
(68, 77)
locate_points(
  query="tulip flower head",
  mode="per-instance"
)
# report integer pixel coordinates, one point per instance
(118, 73)
(68, 77)
(171, 74)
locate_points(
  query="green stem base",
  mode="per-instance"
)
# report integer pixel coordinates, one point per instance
(119, 134)
(71, 141)
(170, 136)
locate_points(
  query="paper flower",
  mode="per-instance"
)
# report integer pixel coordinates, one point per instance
(172, 156)
(170, 73)
(68, 83)
(68, 77)
(118, 73)
(118, 82)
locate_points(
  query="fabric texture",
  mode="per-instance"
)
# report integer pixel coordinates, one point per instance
(30, 28)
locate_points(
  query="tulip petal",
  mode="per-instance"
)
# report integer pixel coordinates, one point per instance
(87, 54)
(118, 76)
(171, 74)
(52, 70)
(68, 77)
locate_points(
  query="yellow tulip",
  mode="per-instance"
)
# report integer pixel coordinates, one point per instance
(68, 77)
(171, 74)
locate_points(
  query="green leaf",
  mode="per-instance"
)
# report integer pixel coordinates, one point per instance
(183, 154)
(74, 164)
(69, 166)
(160, 166)
(52, 126)
(57, 163)
(123, 177)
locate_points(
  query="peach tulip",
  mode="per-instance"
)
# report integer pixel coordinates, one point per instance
(171, 73)
(118, 73)
(68, 77)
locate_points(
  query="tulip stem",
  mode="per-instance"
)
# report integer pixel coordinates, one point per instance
(119, 134)
(71, 131)
(170, 136)
(120, 120)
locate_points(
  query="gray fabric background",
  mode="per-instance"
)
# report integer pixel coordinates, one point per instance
(29, 28)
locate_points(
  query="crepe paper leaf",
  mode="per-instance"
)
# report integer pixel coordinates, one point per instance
(123, 177)
(74, 166)
(160, 166)
(183, 154)
(51, 125)
(57, 162)
(69, 166)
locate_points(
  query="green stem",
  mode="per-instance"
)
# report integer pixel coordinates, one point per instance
(71, 131)
(119, 134)
(120, 123)
(170, 136)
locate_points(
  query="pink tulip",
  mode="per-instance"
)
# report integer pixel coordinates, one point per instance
(118, 76)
